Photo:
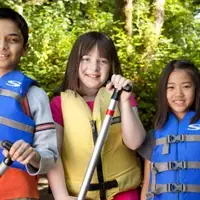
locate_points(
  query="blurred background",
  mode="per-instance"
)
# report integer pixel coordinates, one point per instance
(147, 34)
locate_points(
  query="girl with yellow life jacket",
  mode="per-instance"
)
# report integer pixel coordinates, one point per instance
(79, 111)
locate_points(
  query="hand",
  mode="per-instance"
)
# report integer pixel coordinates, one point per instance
(118, 82)
(23, 153)
(66, 198)
(71, 198)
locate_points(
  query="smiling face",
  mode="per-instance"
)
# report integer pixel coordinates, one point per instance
(180, 92)
(93, 72)
(11, 46)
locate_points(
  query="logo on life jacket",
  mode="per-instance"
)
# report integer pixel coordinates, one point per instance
(194, 127)
(13, 83)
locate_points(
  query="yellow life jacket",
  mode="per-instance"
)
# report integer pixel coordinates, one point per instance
(118, 162)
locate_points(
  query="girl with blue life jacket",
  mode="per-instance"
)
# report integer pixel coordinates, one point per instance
(33, 135)
(79, 111)
(171, 150)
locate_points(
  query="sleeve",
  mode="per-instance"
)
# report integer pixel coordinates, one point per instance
(57, 110)
(44, 140)
(146, 149)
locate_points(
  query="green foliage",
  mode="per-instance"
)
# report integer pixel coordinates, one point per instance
(55, 25)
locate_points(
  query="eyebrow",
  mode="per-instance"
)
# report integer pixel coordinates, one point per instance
(14, 34)
(181, 83)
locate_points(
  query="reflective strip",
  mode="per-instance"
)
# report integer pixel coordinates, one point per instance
(16, 125)
(9, 93)
(174, 139)
(43, 127)
(163, 188)
(165, 166)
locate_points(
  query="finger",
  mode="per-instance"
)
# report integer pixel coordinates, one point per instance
(127, 82)
(115, 80)
(109, 86)
(122, 81)
(5, 153)
(20, 151)
(15, 147)
(29, 158)
(25, 154)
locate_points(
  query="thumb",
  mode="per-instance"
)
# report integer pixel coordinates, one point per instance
(5, 153)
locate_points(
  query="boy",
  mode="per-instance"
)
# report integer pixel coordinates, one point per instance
(33, 136)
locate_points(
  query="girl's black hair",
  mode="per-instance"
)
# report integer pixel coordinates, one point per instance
(162, 104)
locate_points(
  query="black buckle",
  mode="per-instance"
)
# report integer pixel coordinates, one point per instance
(177, 165)
(175, 138)
(176, 187)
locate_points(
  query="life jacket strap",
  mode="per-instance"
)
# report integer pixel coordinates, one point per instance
(16, 125)
(163, 188)
(103, 186)
(175, 139)
(12, 94)
(176, 165)
(165, 166)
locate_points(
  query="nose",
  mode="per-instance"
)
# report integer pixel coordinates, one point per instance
(3, 44)
(94, 65)
(179, 92)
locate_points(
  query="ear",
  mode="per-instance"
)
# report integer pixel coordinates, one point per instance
(25, 51)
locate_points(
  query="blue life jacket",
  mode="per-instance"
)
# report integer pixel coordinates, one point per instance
(175, 167)
(14, 123)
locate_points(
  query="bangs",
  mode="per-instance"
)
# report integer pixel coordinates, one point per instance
(104, 50)
(103, 47)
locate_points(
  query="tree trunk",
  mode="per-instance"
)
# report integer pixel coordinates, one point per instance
(128, 10)
(123, 12)
(159, 16)
(119, 13)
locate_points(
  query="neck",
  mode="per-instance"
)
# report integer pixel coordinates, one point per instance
(89, 97)
(3, 72)
(88, 93)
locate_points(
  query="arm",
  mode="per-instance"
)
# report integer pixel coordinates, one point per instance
(133, 132)
(41, 156)
(44, 141)
(56, 176)
(145, 185)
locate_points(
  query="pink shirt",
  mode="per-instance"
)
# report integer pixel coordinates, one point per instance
(57, 110)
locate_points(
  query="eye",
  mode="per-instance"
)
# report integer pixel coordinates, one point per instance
(187, 86)
(170, 87)
(85, 59)
(13, 40)
(103, 61)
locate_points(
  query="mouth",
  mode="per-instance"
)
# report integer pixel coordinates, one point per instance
(179, 102)
(3, 56)
(93, 75)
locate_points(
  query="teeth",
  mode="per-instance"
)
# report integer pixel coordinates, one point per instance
(3, 56)
(92, 76)
(179, 102)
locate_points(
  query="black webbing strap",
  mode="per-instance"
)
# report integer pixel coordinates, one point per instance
(102, 186)
(99, 163)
